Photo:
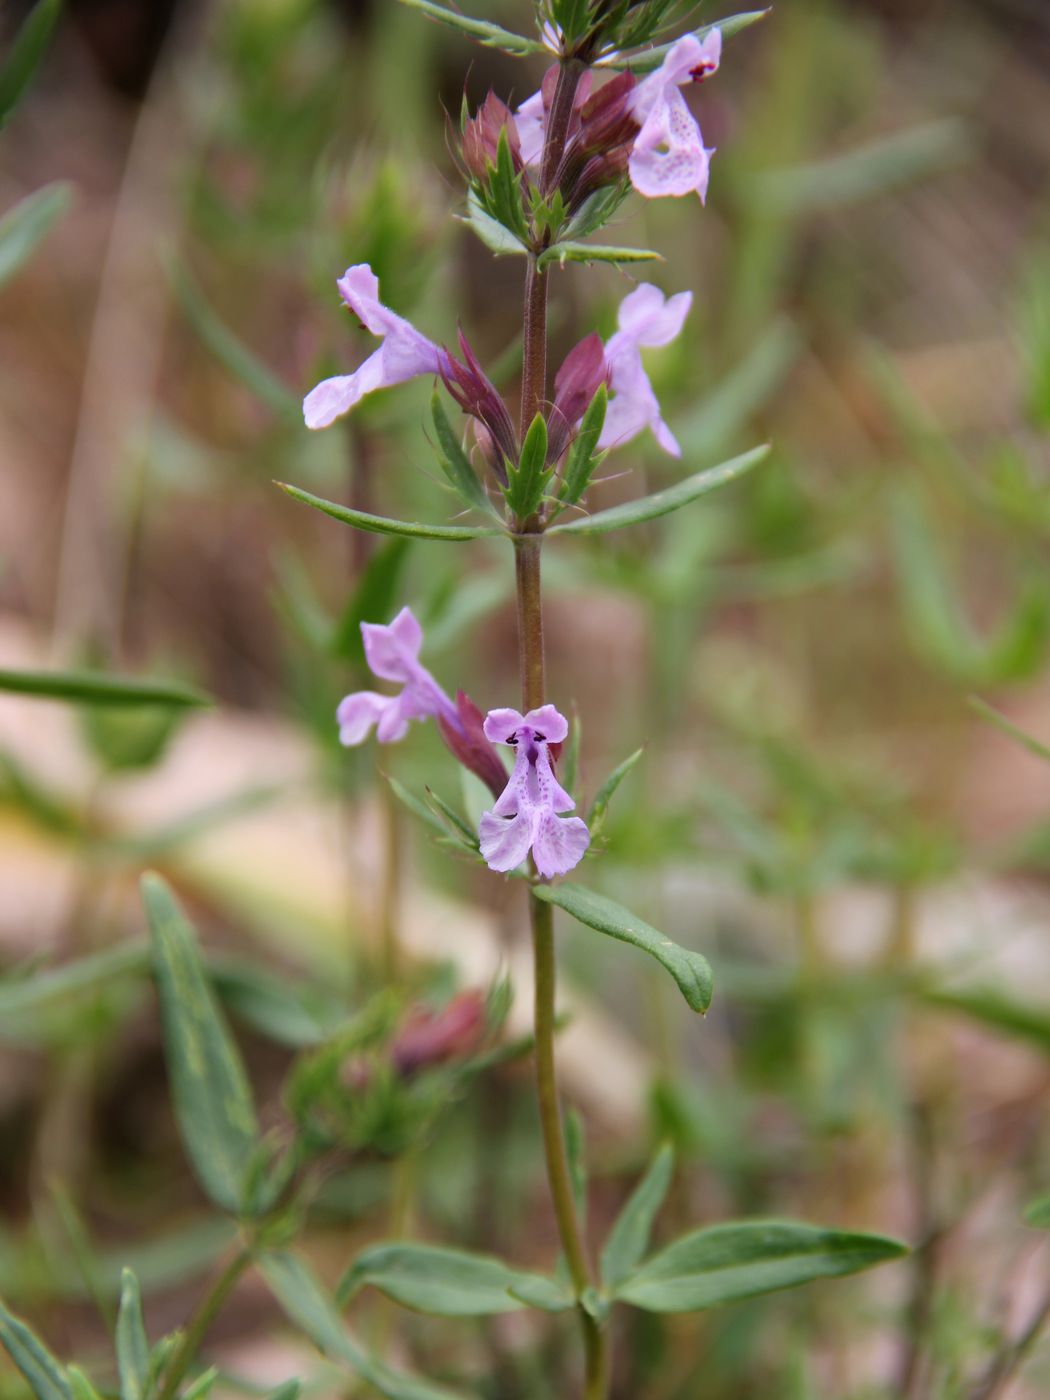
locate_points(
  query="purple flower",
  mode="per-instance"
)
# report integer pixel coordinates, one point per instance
(392, 654)
(526, 816)
(403, 355)
(669, 156)
(645, 318)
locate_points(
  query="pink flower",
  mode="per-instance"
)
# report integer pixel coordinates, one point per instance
(669, 156)
(404, 353)
(392, 654)
(527, 814)
(645, 318)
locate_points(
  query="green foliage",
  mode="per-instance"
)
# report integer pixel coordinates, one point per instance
(600, 805)
(96, 688)
(133, 1349)
(571, 251)
(690, 970)
(583, 458)
(209, 1087)
(492, 35)
(663, 502)
(1034, 746)
(490, 231)
(629, 1238)
(500, 195)
(378, 524)
(1037, 1213)
(46, 1378)
(127, 739)
(724, 1263)
(308, 1306)
(651, 58)
(444, 1282)
(527, 482)
(456, 464)
(28, 49)
(26, 226)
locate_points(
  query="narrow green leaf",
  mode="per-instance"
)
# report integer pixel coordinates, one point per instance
(663, 502)
(596, 211)
(28, 224)
(417, 807)
(583, 456)
(46, 1378)
(570, 251)
(374, 597)
(96, 688)
(289, 1391)
(202, 1386)
(133, 1351)
(997, 1009)
(546, 1294)
(456, 464)
(41, 992)
(690, 970)
(81, 1385)
(503, 192)
(490, 231)
(527, 481)
(380, 525)
(739, 1260)
(1037, 1213)
(459, 826)
(28, 49)
(444, 1282)
(209, 1087)
(1000, 721)
(649, 59)
(230, 351)
(308, 1306)
(494, 36)
(629, 1238)
(600, 805)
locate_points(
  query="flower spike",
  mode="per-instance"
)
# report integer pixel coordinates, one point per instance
(527, 815)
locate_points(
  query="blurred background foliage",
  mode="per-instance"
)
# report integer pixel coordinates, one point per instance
(859, 851)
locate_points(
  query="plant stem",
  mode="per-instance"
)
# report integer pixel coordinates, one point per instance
(541, 916)
(207, 1311)
(1009, 1361)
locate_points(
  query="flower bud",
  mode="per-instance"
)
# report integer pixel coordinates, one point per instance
(481, 135)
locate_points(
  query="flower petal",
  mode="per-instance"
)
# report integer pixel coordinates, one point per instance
(501, 725)
(391, 651)
(559, 844)
(548, 721)
(357, 713)
(647, 317)
(505, 843)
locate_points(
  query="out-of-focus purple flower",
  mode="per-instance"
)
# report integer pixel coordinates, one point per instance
(527, 814)
(669, 156)
(645, 318)
(428, 1038)
(404, 354)
(392, 653)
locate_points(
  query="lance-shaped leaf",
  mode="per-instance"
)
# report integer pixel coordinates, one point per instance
(690, 970)
(456, 464)
(527, 481)
(649, 59)
(381, 525)
(445, 1282)
(28, 49)
(583, 456)
(493, 36)
(209, 1087)
(600, 805)
(96, 688)
(28, 224)
(81, 1384)
(739, 1260)
(307, 1305)
(1027, 741)
(629, 1238)
(495, 237)
(992, 1006)
(663, 502)
(133, 1353)
(228, 349)
(46, 1378)
(594, 253)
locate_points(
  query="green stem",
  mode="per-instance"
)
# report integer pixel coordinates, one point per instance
(208, 1310)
